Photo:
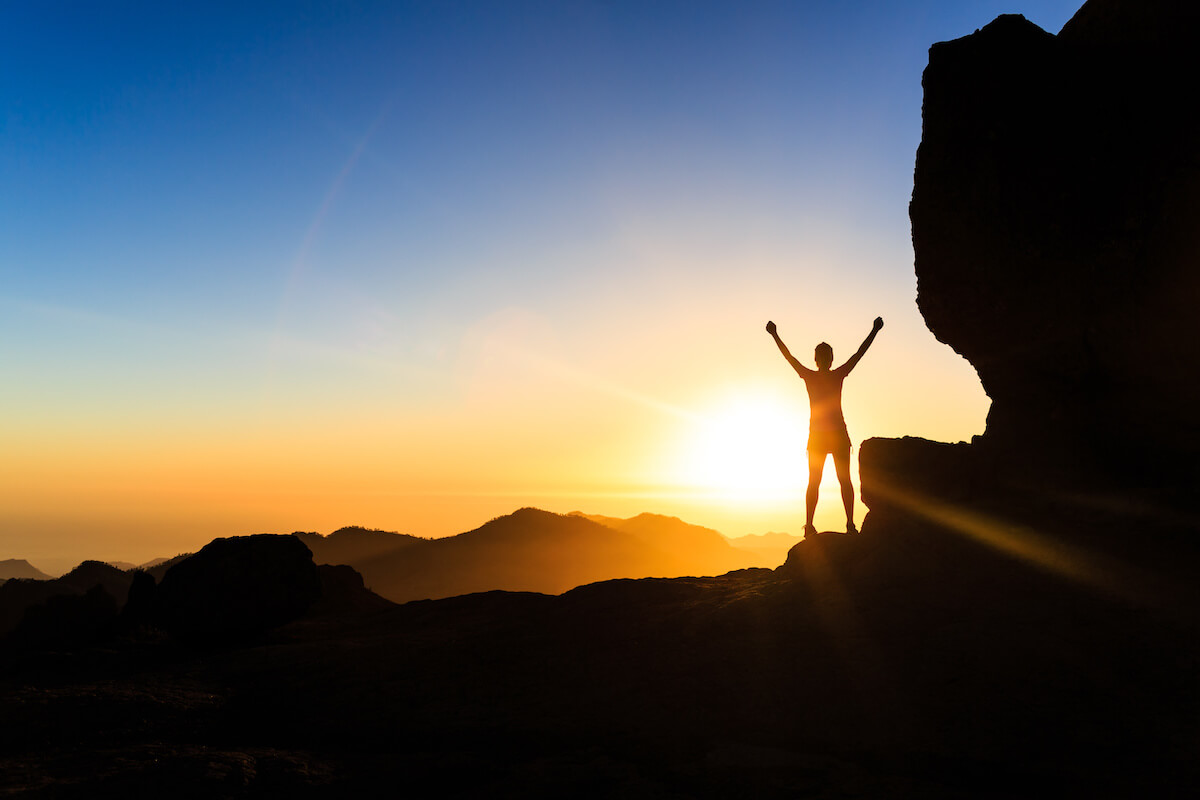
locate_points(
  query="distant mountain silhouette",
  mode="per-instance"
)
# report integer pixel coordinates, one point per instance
(354, 544)
(18, 595)
(696, 550)
(159, 567)
(20, 568)
(530, 550)
(771, 548)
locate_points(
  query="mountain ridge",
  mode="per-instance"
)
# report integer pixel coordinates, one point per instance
(20, 568)
(18, 595)
(529, 550)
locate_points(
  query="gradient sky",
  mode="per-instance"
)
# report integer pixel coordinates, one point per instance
(280, 266)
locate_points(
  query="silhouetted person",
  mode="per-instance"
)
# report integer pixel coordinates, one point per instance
(827, 433)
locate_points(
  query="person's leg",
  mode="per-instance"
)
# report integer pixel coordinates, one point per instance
(841, 462)
(816, 466)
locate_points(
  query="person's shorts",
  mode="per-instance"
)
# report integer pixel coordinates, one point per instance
(823, 442)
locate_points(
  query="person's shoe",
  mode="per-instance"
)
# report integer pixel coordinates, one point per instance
(850, 528)
(809, 531)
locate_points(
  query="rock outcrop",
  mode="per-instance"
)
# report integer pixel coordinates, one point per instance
(235, 587)
(342, 592)
(1056, 230)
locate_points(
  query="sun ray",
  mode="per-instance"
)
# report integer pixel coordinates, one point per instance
(1030, 546)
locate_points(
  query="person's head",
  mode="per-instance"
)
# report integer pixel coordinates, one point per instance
(823, 355)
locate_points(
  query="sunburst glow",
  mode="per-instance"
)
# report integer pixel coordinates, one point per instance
(748, 449)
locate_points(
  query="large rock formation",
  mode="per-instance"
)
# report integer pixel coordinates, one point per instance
(1056, 229)
(235, 587)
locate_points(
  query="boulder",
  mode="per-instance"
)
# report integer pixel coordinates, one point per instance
(237, 587)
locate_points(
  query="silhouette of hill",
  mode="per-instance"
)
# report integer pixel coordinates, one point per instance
(20, 568)
(771, 548)
(159, 567)
(354, 544)
(529, 550)
(697, 550)
(18, 595)
(68, 620)
(343, 592)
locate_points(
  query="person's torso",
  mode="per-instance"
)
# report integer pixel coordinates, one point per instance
(825, 400)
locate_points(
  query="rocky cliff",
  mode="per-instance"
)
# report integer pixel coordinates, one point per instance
(1055, 219)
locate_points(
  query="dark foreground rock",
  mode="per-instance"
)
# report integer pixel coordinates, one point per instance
(914, 661)
(1056, 229)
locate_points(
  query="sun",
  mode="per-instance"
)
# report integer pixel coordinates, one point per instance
(748, 449)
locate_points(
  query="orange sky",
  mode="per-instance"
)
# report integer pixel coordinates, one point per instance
(711, 429)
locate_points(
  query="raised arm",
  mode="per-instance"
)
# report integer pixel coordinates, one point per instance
(853, 362)
(801, 370)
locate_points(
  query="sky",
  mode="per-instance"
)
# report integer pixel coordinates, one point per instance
(291, 266)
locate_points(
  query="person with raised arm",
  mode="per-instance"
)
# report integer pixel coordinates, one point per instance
(827, 434)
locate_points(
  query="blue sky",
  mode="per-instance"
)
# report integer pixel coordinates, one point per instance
(156, 155)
